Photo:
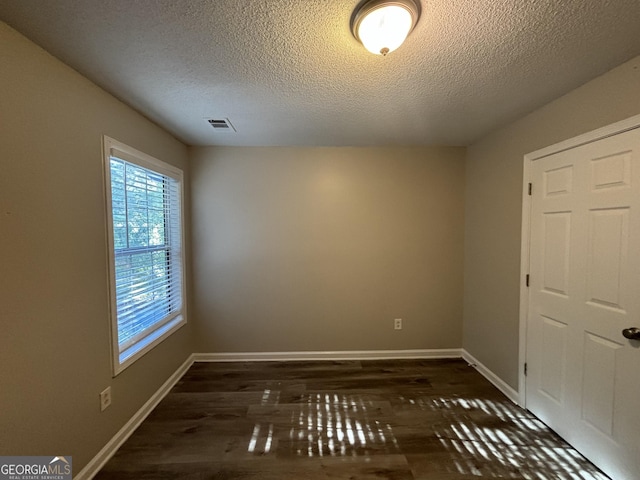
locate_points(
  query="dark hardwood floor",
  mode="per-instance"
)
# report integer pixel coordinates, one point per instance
(357, 420)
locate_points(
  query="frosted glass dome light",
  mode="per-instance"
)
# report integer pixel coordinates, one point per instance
(382, 26)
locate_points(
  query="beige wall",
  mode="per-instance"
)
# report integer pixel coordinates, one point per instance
(319, 249)
(54, 346)
(494, 208)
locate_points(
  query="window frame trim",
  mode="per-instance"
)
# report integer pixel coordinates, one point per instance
(112, 147)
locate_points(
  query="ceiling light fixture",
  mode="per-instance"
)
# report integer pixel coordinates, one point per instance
(382, 25)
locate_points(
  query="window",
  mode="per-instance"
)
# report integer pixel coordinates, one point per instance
(146, 262)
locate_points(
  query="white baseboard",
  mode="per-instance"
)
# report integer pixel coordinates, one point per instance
(103, 456)
(336, 355)
(500, 384)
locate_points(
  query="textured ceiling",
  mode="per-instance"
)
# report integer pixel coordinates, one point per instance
(289, 72)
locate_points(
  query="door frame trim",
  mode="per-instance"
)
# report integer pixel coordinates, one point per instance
(589, 137)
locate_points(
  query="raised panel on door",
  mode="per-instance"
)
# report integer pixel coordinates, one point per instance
(606, 256)
(598, 387)
(554, 358)
(555, 252)
(558, 181)
(611, 171)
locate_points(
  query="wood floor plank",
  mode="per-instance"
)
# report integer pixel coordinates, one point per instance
(355, 420)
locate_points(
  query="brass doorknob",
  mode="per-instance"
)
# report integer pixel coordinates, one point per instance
(632, 333)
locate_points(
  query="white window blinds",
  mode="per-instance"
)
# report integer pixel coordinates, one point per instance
(145, 210)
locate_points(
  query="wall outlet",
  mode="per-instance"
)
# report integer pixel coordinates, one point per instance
(105, 399)
(397, 324)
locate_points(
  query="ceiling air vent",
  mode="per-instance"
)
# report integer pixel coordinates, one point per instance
(221, 124)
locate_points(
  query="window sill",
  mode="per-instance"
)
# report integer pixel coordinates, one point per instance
(131, 354)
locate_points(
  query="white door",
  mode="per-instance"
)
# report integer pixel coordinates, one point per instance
(583, 375)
